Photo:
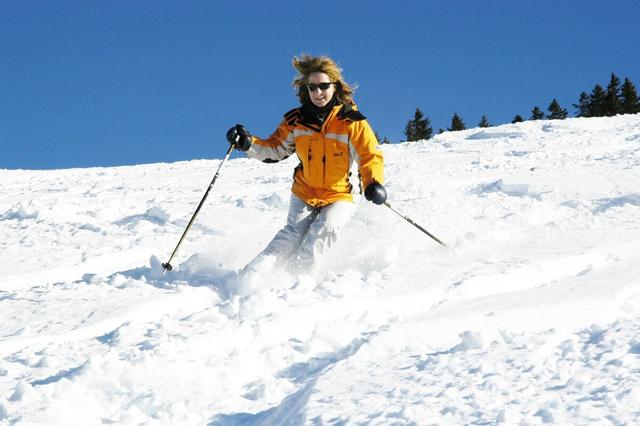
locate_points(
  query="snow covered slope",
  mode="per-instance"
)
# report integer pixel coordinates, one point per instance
(531, 317)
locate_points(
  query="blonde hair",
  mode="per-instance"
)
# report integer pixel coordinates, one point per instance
(307, 65)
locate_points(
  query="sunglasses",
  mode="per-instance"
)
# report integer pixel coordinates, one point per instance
(322, 86)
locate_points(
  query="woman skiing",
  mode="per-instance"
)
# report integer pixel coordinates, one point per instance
(329, 135)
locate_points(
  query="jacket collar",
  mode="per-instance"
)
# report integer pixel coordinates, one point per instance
(314, 117)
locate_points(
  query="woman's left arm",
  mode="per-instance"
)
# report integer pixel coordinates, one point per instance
(371, 161)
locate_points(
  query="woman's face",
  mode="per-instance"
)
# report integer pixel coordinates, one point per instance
(318, 96)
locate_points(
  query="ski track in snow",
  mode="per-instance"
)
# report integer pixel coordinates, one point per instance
(531, 317)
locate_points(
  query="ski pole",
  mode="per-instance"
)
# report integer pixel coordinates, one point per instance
(415, 224)
(167, 266)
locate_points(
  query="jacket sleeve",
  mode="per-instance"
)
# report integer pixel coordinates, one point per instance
(370, 159)
(277, 147)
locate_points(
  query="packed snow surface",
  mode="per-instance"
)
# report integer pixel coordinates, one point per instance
(530, 316)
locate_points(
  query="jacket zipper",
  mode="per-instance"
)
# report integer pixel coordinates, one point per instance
(324, 144)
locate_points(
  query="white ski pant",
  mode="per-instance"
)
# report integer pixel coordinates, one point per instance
(308, 234)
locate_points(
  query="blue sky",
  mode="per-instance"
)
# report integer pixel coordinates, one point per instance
(106, 83)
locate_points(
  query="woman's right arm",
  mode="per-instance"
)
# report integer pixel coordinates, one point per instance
(277, 147)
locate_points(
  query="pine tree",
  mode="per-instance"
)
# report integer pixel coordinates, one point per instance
(517, 119)
(456, 123)
(484, 122)
(596, 101)
(423, 128)
(419, 128)
(380, 140)
(556, 112)
(410, 131)
(629, 98)
(536, 113)
(611, 105)
(583, 107)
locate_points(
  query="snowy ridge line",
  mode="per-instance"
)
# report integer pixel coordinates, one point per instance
(150, 309)
(98, 265)
(535, 274)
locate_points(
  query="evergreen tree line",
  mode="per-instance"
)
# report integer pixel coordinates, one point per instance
(616, 99)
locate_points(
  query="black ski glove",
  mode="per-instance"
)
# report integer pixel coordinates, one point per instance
(375, 193)
(239, 137)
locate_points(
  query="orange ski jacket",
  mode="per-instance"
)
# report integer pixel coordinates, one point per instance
(326, 154)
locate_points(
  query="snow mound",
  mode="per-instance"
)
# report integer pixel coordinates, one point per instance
(21, 212)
